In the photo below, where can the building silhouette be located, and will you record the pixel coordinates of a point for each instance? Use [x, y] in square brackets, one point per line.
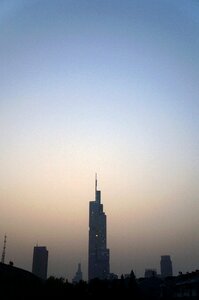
[16, 283]
[150, 273]
[166, 266]
[98, 254]
[78, 275]
[40, 262]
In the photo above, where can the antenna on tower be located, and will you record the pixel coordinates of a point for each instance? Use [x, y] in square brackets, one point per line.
[95, 182]
[4, 250]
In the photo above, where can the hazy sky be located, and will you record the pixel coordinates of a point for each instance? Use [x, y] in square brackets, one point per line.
[100, 86]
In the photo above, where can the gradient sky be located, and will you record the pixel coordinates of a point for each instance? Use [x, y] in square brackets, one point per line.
[100, 86]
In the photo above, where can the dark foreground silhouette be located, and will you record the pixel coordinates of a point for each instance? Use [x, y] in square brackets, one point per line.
[16, 283]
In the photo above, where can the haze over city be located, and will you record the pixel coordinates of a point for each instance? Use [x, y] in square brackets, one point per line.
[108, 87]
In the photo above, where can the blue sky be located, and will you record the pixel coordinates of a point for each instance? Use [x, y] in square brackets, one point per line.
[108, 87]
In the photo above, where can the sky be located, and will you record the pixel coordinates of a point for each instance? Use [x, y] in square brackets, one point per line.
[100, 86]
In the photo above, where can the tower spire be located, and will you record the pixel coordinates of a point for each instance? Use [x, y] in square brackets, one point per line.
[95, 183]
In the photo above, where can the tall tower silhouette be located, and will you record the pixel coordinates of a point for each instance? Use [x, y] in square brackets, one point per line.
[78, 276]
[40, 262]
[166, 266]
[98, 254]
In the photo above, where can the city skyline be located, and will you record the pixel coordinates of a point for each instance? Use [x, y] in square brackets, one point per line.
[98, 253]
[108, 87]
[97, 268]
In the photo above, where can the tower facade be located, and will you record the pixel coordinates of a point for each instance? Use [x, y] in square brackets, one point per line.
[166, 266]
[98, 254]
[40, 262]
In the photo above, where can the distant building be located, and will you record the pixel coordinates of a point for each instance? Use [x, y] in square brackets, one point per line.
[78, 276]
[112, 276]
[40, 262]
[98, 254]
[166, 266]
[150, 273]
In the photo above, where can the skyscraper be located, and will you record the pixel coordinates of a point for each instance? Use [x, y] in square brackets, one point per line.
[166, 266]
[98, 254]
[40, 262]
